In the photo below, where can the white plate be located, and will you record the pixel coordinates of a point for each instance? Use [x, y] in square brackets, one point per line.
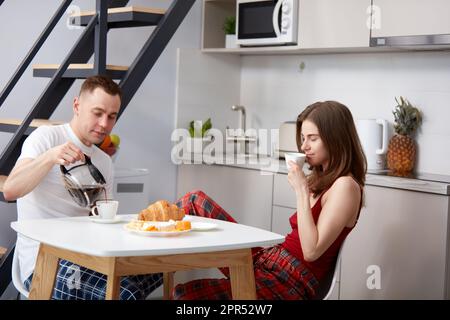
[156, 233]
[203, 226]
[97, 219]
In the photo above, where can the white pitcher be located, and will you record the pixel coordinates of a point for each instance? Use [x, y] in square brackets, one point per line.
[373, 134]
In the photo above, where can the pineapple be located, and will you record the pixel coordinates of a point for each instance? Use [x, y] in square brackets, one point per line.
[401, 154]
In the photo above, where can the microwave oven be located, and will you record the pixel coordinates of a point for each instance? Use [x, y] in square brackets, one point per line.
[266, 22]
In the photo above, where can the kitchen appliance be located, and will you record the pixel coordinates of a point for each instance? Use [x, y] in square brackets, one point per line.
[433, 31]
[373, 134]
[266, 22]
[84, 182]
[287, 139]
[131, 189]
[428, 41]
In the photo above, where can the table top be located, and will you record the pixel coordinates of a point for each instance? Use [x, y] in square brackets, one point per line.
[80, 234]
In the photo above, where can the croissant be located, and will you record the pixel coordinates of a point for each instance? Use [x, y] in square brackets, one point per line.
[161, 210]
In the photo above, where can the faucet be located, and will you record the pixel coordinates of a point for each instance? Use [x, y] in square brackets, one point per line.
[242, 110]
[246, 140]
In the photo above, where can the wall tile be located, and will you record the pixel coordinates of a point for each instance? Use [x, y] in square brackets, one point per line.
[274, 90]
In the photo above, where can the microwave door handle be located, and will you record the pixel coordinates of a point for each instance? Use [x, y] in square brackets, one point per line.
[276, 12]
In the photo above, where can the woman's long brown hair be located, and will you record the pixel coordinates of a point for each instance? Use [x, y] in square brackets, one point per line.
[338, 132]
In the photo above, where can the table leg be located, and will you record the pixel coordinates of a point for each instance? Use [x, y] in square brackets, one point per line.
[243, 280]
[44, 275]
[168, 284]
[113, 287]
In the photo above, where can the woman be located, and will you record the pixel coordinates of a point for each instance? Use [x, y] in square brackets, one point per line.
[328, 205]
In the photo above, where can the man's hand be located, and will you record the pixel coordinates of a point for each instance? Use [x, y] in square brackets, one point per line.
[66, 154]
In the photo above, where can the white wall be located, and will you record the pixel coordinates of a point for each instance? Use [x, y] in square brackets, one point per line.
[146, 125]
[207, 86]
[274, 90]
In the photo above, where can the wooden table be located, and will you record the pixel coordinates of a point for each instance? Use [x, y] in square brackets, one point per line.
[115, 252]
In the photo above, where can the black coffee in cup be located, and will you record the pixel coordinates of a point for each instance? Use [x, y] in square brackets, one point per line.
[86, 195]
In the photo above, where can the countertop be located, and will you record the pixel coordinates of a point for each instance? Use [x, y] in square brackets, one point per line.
[422, 182]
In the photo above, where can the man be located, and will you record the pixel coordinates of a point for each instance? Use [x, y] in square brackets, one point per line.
[36, 183]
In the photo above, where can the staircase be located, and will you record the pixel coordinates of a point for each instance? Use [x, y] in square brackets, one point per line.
[109, 14]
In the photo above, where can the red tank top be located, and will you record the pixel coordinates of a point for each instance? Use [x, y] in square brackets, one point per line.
[327, 260]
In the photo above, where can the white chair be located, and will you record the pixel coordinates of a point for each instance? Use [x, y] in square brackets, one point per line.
[330, 281]
[15, 274]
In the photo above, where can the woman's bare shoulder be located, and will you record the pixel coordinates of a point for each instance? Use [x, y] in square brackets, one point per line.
[347, 185]
[345, 194]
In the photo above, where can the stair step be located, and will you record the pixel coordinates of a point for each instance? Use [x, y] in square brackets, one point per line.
[2, 182]
[124, 17]
[77, 70]
[2, 252]
[10, 125]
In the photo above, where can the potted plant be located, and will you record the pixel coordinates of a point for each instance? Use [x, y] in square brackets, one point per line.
[401, 154]
[229, 27]
[198, 135]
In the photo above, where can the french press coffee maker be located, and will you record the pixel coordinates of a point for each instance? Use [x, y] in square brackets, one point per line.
[84, 182]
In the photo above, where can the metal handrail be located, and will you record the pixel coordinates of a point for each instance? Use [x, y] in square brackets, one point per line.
[33, 51]
[47, 91]
[152, 49]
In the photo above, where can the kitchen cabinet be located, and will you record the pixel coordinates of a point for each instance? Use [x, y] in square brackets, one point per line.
[398, 250]
[399, 247]
[334, 24]
[213, 36]
[280, 219]
[410, 17]
[214, 14]
[245, 194]
[283, 194]
[401, 236]
[324, 26]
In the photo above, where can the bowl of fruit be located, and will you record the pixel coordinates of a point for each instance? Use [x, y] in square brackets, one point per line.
[110, 145]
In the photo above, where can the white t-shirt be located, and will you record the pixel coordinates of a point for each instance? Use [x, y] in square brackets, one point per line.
[50, 199]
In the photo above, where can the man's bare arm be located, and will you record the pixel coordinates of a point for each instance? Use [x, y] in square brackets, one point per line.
[28, 173]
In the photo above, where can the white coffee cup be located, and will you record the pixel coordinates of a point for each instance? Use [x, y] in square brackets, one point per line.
[298, 158]
[106, 209]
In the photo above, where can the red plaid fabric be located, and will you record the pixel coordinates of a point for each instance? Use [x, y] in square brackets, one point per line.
[197, 203]
[278, 274]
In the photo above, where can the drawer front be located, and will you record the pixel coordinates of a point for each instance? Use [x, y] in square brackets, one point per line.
[283, 194]
[280, 220]
[245, 194]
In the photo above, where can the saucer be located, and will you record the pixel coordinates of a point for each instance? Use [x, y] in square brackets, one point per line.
[97, 219]
[203, 226]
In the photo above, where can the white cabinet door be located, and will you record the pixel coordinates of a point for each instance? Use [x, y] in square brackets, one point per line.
[283, 194]
[334, 23]
[245, 194]
[398, 247]
[410, 17]
[280, 219]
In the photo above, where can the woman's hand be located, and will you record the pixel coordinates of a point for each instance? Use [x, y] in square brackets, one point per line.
[297, 179]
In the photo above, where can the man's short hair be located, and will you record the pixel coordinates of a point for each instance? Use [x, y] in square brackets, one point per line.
[103, 82]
